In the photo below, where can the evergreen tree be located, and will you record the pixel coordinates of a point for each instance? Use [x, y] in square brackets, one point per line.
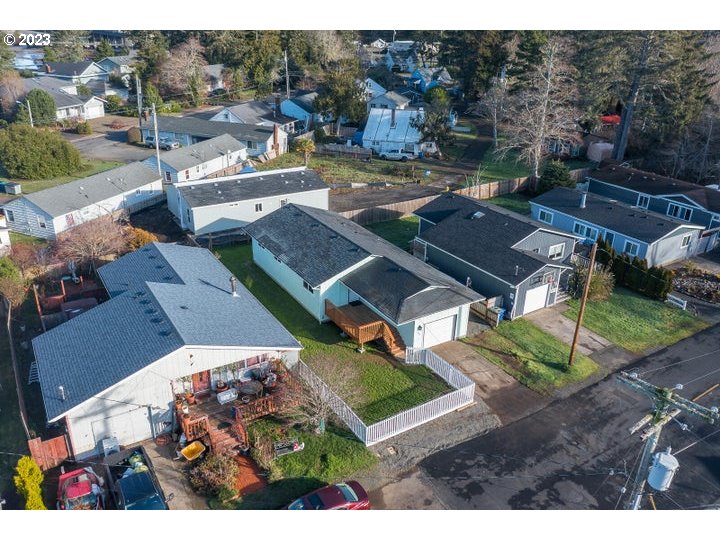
[151, 95]
[42, 106]
[152, 47]
[555, 174]
[36, 154]
[341, 96]
[7, 58]
[68, 46]
[103, 50]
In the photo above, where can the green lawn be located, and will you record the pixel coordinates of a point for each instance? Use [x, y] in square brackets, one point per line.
[635, 322]
[387, 388]
[532, 356]
[90, 167]
[19, 238]
[493, 169]
[517, 202]
[398, 231]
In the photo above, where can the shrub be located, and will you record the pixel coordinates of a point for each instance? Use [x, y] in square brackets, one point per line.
[601, 283]
[554, 174]
[134, 135]
[84, 90]
[83, 128]
[215, 474]
[138, 237]
[113, 103]
[170, 107]
[28, 482]
[36, 153]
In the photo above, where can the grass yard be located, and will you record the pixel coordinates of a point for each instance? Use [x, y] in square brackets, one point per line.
[93, 166]
[493, 169]
[635, 322]
[398, 231]
[532, 356]
[517, 202]
[20, 238]
[386, 388]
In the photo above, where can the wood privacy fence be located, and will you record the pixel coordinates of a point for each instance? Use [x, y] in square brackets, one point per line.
[386, 212]
[494, 189]
[461, 396]
[49, 454]
[341, 150]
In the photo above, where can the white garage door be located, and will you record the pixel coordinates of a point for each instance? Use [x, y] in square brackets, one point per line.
[94, 110]
[535, 298]
[129, 427]
[439, 331]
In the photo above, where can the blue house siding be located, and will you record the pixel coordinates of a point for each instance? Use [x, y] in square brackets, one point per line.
[291, 109]
[542, 241]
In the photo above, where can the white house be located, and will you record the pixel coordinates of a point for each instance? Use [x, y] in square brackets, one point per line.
[199, 160]
[5, 245]
[77, 72]
[371, 89]
[231, 202]
[388, 100]
[330, 264]
[46, 213]
[257, 113]
[392, 129]
[214, 77]
[68, 104]
[176, 321]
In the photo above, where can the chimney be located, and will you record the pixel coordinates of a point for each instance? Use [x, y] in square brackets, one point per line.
[583, 197]
[233, 285]
[276, 140]
[517, 269]
[61, 389]
[392, 121]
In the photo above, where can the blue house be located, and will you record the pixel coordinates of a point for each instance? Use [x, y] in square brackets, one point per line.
[688, 202]
[633, 230]
[424, 78]
[302, 107]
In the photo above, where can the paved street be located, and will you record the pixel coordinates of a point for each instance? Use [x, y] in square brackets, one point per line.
[110, 147]
[575, 453]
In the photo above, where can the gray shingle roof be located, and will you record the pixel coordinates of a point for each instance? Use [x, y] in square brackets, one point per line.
[186, 157]
[397, 99]
[124, 60]
[68, 69]
[214, 70]
[634, 222]
[306, 101]
[147, 318]
[485, 241]
[205, 128]
[255, 112]
[253, 186]
[66, 198]
[53, 85]
[317, 245]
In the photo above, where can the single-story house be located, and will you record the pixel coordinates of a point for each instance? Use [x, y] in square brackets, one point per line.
[496, 252]
[257, 113]
[122, 66]
[337, 269]
[68, 104]
[392, 129]
[379, 43]
[638, 232]
[302, 107]
[231, 202]
[199, 160]
[77, 72]
[214, 77]
[47, 213]
[403, 61]
[5, 245]
[425, 78]
[675, 198]
[176, 321]
[117, 38]
[388, 100]
[371, 89]
[259, 140]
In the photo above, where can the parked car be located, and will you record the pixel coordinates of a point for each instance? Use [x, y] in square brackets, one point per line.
[132, 481]
[168, 144]
[80, 490]
[149, 141]
[345, 496]
[397, 155]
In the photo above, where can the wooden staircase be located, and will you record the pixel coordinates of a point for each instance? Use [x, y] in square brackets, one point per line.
[393, 341]
[363, 326]
[226, 440]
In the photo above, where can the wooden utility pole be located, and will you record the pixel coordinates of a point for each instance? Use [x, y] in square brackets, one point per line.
[287, 77]
[139, 99]
[581, 312]
[157, 142]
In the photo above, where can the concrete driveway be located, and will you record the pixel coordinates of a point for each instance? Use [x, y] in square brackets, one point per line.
[554, 322]
[173, 478]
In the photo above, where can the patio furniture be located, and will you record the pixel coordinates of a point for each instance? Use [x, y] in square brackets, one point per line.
[250, 388]
[227, 396]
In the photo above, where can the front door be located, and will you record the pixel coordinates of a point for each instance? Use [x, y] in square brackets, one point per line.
[201, 381]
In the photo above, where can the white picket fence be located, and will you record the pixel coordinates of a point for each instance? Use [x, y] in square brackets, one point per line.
[403, 421]
[676, 301]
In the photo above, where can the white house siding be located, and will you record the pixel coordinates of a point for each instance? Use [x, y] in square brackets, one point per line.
[5, 245]
[232, 215]
[667, 250]
[198, 171]
[94, 109]
[123, 409]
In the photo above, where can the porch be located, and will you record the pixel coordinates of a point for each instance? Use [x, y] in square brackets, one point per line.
[363, 325]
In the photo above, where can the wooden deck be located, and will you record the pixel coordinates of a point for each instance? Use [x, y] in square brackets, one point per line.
[364, 325]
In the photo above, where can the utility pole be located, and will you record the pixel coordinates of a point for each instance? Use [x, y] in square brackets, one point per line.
[157, 141]
[27, 104]
[287, 77]
[581, 312]
[139, 99]
[666, 406]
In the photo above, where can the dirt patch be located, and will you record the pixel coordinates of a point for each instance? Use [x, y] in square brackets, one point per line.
[697, 283]
[249, 479]
[159, 221]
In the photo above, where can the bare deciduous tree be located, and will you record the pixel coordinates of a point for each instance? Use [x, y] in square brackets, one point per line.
[90, 241]
[492, 105]
[11, 90]
[182, 72]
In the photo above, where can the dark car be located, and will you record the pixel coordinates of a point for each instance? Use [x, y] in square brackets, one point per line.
[132, 481]
[345, 496]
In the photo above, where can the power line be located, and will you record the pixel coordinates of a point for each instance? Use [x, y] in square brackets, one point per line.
[678, 362]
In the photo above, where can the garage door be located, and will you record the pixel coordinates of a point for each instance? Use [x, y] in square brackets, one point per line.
[129, 427]
[535, 298]
[439, 331]
[93, 110]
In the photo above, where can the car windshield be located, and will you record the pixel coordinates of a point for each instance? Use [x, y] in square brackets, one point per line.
[297, 505]
[348, 493]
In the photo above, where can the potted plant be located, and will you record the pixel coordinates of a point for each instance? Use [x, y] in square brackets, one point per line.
[221, 386]
[190, 397]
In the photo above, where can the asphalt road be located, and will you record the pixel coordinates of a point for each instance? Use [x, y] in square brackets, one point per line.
[109, 147]
[577, 453]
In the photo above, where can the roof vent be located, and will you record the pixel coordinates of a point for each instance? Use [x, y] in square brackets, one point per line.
[184, 307]
[167, 278]
[192, 187]
[152, 257]
[282, 176]
[159, 266]
[302, 172]
[219, 192]
[164, 333]
[151, 311]
[145, 302]
[477, 215]
[215, 184]
[156, 320]
[140, 293]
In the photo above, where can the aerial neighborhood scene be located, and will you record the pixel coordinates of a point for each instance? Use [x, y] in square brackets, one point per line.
[359, 269]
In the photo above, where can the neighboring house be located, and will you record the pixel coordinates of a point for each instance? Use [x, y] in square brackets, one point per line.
[199, 160]
[400, 61]
[5, 245]
[495, 252]
[302, 107]
[175, 322]
[117, 38]
[68, 104]
[391, 129]
[46, 213]
[629, 229]
[214, 77]
[371, 89]
[332, 265]
[388, 100]
[231, 202]
[257, 113]
[685, 201]
[424, 78]
[122, 66]
[259, 140]
[77, 72]
[379, 43]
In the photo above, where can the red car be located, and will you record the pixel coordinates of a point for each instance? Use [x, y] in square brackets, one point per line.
[80, 490]
[346, 496]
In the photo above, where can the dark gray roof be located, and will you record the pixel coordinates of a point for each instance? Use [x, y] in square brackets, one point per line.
[251, 186]
[654, 184]
[484, 235]
[631, 221]
[186, 157]
[306, 101]
[318, 245]
[152, 313]
[393, 96]
[67, 69]
[53, 85]
[256, 112]
[66, 198]
[205, 128]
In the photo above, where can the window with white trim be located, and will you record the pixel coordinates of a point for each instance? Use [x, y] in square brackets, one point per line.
[609, 237]
[258, 207]
[556, 252]
[168, 177]
[10, 215]
[283, 202]
[631, 248]
[680, 212]
[545, 216]
[548, 277]
[643, 201]
[583, 230]
[685, 242]
[41, 222]
[307, 287]
[187, 174]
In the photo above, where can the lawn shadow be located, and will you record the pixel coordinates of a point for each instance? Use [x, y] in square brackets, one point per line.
[278, 494]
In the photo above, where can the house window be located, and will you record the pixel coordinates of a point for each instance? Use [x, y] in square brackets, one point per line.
[9, 215]
[584, 230]
[557, 252]
[631, 248]
[643, 201]
[41, 222]
[307, 287]
[188, 214]
[536, 280]
[545, 216]
[680, 212]
[283, 202]
[187, 174]
[685, 241]
[548, 277]
[168, 177]
[609, 237]
[197, 168]
[258, 207]
[252, 145]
